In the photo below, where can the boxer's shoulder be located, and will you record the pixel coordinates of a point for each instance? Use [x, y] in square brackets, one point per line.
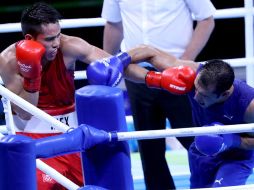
[73, 46]
[8, 63]
[9, 54]
[70, 43]
[73, 49]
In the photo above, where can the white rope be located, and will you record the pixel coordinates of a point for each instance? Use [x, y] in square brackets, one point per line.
[56, 175]
[240, 62]
[232, 13]
[8, 116]
[94, 22]
[3, 129]
[32, 109]
[80, 75]
[185, 132]
[64, 23]
[81, 22]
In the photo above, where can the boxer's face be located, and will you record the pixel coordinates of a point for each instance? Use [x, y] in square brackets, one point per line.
[50, 39]
[204, 95]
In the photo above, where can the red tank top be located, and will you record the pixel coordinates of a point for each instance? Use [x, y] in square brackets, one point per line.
[57, 86]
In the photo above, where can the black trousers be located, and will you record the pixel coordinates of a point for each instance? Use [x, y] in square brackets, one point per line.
[150, 108]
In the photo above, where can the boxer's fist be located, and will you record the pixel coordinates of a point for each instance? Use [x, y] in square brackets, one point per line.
[213, 144]
[108, 71]
[29, 54]
[177, 80]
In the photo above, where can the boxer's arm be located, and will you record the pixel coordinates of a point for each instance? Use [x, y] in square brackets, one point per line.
[248, 142]
[103, 68]
[158, 58]
[135, 73]
[108, 71]
[99, 70]
[213, 144]
[249, 113]
[77, 49]
[14, 81]
[113, 35]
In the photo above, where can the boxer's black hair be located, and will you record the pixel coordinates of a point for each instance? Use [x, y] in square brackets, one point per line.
[39, 13]
[217, 73]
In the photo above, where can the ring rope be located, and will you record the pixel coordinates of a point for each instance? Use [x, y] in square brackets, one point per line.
[8, 116]
[184, 132]
[32, 109]
[56, 175]
[92, 22]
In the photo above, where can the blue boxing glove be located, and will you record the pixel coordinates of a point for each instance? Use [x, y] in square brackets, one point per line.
[211, 145]
[76, 140]
[108, 71]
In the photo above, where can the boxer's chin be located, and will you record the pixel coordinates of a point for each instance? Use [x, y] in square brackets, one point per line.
[51, 57]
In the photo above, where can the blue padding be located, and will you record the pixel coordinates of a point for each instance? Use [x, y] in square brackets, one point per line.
[127, 105]
[17, 163]
[106, 165]
[76, 140]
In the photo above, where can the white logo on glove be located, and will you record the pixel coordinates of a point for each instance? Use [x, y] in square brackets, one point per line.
[105, 62]
[117, 81]
[24, 67]
[177, 87]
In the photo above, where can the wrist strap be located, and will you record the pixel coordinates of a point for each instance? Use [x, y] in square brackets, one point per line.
[153, 79]
[32, 85]
[125, 58]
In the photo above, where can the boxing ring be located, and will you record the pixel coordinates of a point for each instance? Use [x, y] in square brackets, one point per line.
[116, 128]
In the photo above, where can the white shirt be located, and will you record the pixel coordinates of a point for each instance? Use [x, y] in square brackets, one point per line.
[165, 24]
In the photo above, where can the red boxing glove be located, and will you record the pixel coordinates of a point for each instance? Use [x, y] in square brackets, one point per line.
[177, 80]
[29, 54]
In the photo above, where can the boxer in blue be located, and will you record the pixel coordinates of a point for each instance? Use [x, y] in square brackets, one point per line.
[220, 160]
[216, 96]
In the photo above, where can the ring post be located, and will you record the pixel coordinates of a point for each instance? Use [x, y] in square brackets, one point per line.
[105, 165]
[17, 163]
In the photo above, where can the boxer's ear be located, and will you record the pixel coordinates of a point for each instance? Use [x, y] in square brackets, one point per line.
[225, 94]
[28, 37]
